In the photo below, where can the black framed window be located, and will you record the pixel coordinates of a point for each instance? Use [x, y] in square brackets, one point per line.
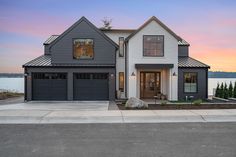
[121, 46]
[153, 45]
[190, 82]
[83, 49]
[121, 81]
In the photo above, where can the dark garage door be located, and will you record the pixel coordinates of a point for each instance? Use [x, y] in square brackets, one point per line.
[49, 86]
[91, 86]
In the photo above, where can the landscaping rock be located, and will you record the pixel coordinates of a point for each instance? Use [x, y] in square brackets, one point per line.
[135, 103]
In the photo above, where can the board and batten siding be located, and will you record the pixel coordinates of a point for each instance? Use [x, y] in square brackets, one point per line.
[202, 83]
[62, 50]
[135, 56]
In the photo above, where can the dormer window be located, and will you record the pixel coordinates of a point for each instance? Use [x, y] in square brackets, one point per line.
[83, 49]
[153, 45]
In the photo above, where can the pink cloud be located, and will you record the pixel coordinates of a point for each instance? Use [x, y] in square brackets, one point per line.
[35, 24]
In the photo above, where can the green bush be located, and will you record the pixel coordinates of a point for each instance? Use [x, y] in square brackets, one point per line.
[197, 102]
[217, 92]
[230, 91]
[163, 102]
[234, 90]
[221, 92]
[226, 92]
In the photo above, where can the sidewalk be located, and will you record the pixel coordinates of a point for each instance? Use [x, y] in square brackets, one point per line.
[19, 116]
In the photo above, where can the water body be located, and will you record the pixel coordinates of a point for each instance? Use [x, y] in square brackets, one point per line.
[12, 84]
[17, 84]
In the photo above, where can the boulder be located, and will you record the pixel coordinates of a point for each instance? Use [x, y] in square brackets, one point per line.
[135, 103]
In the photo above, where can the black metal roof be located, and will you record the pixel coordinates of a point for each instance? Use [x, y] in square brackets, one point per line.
[153, 66]
[45, 61]
[188, 62]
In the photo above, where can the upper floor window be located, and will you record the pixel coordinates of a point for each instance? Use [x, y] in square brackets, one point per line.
[190, 82]
[83, 49]
[153, 45]
[121, 46]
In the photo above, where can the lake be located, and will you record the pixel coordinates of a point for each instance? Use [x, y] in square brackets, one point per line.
[17, 84]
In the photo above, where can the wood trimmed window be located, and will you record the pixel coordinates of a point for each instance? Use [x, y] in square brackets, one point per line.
[83, 49]
[190, 82]
[121, 46]
[153, 45]
[121, 81]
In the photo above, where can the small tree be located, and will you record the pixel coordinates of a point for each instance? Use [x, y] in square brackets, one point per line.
[234, 89]
[106, 23]
[217, 92]
[230, 91]
[226, 92]
[221, 93]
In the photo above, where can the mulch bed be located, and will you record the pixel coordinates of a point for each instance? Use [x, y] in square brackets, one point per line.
[181, 106]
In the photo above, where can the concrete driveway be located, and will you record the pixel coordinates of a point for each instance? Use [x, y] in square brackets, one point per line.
[59, 105]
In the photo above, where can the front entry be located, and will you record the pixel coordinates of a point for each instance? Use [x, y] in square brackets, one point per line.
[150, 84]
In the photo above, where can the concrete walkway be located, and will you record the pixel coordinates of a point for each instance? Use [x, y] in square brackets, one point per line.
[39, 116]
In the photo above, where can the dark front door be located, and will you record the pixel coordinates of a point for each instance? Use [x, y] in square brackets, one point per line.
[149, 84]
[49, 86]
[91, 86]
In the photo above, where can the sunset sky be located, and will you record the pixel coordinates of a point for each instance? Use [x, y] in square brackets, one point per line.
[208, 25]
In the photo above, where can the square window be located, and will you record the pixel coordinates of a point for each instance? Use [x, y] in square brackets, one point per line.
[83, 49]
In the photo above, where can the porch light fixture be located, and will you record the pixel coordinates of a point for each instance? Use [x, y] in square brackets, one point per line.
[174, 74]
[133, 74]
[26, 74]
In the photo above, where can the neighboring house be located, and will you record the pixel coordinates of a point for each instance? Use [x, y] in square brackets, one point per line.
[87, 63]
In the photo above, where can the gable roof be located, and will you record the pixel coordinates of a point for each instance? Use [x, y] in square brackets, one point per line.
[90, 24]
[157, 21]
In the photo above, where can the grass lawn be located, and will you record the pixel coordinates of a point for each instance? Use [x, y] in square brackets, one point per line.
[9, 94]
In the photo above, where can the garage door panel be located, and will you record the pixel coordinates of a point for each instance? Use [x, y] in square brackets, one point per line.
[93, 87]
[49, 86]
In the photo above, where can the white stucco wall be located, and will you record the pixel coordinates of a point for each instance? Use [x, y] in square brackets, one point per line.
[120, 61]
[135, 56]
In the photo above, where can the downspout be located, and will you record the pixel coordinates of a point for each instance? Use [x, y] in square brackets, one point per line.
[126, 78]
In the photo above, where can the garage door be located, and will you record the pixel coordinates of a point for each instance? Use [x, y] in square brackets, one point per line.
[91, 86]
[49, 86]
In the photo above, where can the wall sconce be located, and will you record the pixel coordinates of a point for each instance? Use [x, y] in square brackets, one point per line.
[26, 74]
[133, 74]
[174, 74]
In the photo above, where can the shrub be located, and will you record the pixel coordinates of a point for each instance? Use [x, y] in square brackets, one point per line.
[230, 91]
[226, 93]
[217, 92]
[197, 102]
[234, 90]
[163, 103]
[221, 92]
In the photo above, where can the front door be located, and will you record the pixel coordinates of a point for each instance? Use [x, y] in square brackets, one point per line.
[149, 84]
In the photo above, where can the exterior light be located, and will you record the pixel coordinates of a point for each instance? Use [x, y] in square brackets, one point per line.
[26, 74]
[174, 74]
[133, 74]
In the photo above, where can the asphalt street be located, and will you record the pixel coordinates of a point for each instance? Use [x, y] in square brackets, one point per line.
[118, 140]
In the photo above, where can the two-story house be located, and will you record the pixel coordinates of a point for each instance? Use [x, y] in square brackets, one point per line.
[88, 63]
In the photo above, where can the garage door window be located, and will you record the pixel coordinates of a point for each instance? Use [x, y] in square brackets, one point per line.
[49, 76]
[91, 76]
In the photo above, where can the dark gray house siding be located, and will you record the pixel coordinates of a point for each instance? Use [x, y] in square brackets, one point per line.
[58, 58]
[183, 51]
[70, 71]
[62, 48]
[202, 83]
